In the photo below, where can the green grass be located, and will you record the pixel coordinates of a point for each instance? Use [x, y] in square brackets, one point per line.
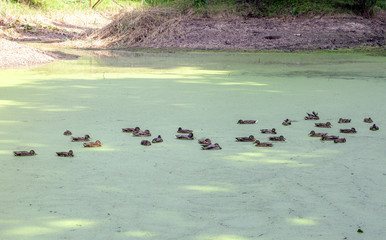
[248, 8]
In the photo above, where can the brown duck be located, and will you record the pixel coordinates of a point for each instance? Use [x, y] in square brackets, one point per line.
[206, 141]
[131, 130]
[323, 125]
[340, 140]
[67, 133]
[246, 121]
[180, 130]
[24, 153]
[81, 139]
[312, 116]
[281, 138]
[215, 146]
[145, 143]
[329, 138]
[65, 154]
[145, 133]
[314, 134]
[97, 143]
[263, 144]
[185, 137]
[374, 128]
[368, 120]
[351, 130]
[286, 122]
[268, 131]
[157, 139]
[344, 120]
[251, 138]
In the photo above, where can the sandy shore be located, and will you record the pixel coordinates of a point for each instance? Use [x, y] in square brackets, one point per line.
[13, 54]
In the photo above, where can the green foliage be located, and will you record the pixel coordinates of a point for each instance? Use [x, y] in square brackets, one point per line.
[32, 3]
[365, 8]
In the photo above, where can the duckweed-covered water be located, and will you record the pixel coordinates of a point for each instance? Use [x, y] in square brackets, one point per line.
[299, 189]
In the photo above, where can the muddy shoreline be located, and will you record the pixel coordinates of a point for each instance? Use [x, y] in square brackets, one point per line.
[256, 34]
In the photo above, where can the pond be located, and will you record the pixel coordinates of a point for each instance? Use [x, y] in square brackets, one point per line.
[303, 188]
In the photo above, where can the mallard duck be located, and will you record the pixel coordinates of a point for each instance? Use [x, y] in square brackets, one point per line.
[344, 120]
[368, 120]
[314, 134]
[312, 116]
[145, 133]
[374, 127]
[206, 141]
[65, 154]
[157, 139]
[185, 137]
[211, 147]
[67, 133]
[246, 121]
[340, 140]
[81, 139]
[286, 122]
[270, 131]
[97, 143]
[145, 143]
[281, 138]
[329, 138]
[180, 130]
[131, 130]
[263, 144]
[352, 130]
[251, 138]
[323, 125]
[24, 153]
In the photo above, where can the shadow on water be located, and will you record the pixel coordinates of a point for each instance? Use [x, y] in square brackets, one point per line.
[298, 189]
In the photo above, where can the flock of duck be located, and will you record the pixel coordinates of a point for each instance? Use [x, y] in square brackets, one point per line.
[206, 144]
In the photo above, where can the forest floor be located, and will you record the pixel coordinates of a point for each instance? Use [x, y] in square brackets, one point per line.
[254, 34]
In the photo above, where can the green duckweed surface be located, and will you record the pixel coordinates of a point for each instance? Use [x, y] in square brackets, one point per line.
[299, 189]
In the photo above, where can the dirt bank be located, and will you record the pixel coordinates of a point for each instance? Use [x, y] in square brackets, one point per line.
[184, 32]
[322, 32]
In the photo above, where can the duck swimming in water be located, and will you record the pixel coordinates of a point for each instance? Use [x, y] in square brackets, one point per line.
[211, 147]
[251, 138]
[206, 141]
[97, 143]
[180, 130]
[281, 138]
[65, 154]
[263, 144]
[145, 133]
[145, 143]
[314, 134]
[340, 140]
[24, 153]
[351, 130]
[246, 121]
[131, 130]
[329, 138]
[286, 122]
[157, 139]
[323, 125]
[368, 120]
[67, 133]
[81, 139]
[270, 131]
[185, 137]
[344, 120]
[374, 128]
[312, 116]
